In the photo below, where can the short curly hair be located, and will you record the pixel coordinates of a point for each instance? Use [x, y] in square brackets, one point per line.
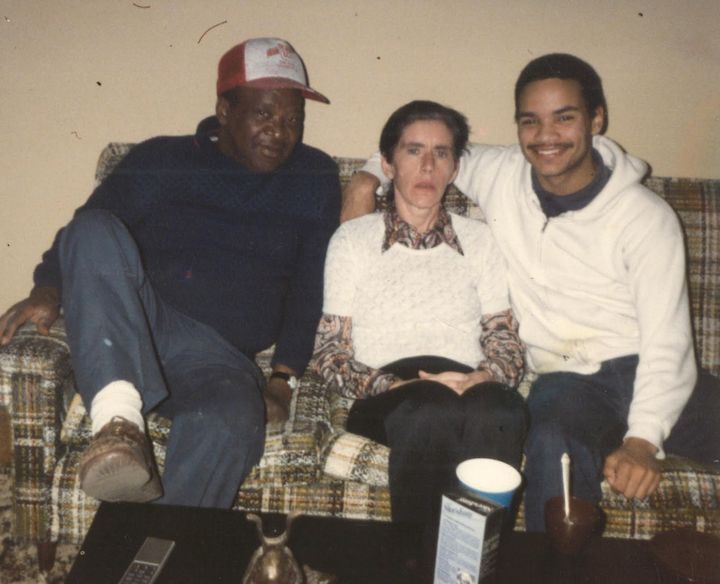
[565, 66]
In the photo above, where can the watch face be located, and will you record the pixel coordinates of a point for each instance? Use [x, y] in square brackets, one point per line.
[291, 380]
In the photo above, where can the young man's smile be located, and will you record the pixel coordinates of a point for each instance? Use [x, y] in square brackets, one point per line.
[555, 132]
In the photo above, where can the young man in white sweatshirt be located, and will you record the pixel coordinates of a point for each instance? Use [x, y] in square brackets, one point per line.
[596, 266]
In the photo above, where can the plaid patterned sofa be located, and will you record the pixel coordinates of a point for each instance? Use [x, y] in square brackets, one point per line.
[311, 463]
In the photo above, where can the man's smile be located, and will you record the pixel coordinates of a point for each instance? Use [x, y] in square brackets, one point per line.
[549, 150]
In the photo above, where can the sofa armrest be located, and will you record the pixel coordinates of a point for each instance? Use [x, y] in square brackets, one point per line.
[35, 378]
[350, 457]
[347, 456]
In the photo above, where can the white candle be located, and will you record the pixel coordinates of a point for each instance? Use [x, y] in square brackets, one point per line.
[565, 463]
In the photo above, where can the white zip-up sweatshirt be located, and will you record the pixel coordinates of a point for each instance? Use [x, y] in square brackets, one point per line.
[594, 284]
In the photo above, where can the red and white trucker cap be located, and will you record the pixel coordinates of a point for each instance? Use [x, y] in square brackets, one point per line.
[264, 63]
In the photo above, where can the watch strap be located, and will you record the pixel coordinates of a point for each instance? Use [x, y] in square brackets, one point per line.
[290, 379]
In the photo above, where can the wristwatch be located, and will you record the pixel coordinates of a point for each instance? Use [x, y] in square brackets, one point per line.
[292, 381]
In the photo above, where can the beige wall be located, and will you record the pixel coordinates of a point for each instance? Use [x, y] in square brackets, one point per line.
[77, 74]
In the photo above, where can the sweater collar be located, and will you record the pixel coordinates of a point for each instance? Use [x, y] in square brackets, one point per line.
[401, 232]
[554, 205]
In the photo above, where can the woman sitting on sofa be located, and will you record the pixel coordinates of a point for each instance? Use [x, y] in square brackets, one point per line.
[417, 325]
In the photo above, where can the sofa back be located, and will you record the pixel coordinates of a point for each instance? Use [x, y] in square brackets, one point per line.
[696, 201]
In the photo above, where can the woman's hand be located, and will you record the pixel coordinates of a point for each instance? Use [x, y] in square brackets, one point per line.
[400, 383]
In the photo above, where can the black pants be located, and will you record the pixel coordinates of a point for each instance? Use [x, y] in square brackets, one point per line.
[430, 429]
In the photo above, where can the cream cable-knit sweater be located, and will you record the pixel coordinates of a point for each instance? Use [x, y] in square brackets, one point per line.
[407, 302]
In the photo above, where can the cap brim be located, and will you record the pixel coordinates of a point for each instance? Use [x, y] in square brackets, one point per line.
[280, 83]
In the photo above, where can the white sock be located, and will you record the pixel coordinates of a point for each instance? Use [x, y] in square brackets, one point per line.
[117, 398]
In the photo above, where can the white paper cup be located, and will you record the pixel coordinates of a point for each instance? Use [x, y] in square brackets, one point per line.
[489, 478]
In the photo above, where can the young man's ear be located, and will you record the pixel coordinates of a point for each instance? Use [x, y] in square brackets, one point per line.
[387, 168]
[597, 125]
[222, 108]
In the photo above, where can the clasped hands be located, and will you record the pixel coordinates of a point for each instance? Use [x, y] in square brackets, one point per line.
[458, 382]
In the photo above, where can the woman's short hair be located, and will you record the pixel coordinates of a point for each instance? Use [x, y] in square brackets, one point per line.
[421, 110]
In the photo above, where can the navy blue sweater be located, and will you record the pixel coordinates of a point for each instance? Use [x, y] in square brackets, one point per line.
[240, 251]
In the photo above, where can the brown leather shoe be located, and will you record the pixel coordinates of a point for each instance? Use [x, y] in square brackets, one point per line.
[118, 465]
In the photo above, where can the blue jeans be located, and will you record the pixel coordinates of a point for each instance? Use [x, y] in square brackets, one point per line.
[119, 329]
[586, 416]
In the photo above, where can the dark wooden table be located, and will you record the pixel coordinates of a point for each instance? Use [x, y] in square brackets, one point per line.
[216, 546]
[528, 557]
[213, 545]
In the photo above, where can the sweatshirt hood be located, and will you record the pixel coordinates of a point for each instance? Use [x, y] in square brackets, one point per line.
[627, 171]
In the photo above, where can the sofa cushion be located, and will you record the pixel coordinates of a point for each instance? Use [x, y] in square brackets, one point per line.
[325, 497]
[291, 449]
[687, 496]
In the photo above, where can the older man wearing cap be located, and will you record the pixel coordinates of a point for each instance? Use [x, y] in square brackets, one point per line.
[195, 254]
